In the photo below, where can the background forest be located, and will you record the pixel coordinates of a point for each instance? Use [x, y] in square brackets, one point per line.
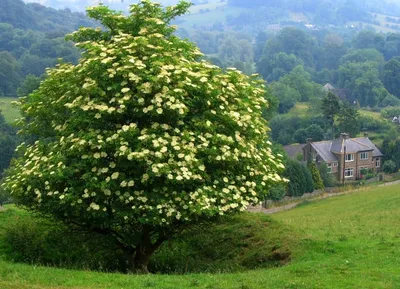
[303, 50]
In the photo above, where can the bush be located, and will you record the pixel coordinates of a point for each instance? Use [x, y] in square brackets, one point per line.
[389, 167]
[327, 178]
[5, 197]
[391, 112]
[237, 243]
[277, 193]
[390, 100]
[40, 241]
[368, 123]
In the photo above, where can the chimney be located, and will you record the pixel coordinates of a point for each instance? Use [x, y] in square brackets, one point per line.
[344, 136]
[366, 134]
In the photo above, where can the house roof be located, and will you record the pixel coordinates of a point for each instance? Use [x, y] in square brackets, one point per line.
[344, 94]
[366, 141]
[328, 86]
[327, 149]
[294, 150]
[352, 146]
[323, 148]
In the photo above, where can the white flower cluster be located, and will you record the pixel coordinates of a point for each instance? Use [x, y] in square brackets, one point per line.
[141, 130]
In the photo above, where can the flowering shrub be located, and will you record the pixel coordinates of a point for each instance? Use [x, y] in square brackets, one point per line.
[140, 138]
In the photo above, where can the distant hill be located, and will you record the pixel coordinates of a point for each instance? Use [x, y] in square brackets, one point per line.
[38, 17]
[123, 5]
[80, 5]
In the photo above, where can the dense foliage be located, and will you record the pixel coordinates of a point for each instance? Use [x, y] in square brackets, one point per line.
[140, 140]
[8, 142]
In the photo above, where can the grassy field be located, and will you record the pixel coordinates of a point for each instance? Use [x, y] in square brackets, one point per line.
[10, 113]
[350, 241]
[300, 109]
[218, 14]
[373, 114]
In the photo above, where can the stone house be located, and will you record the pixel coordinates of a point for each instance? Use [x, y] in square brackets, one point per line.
[345, 157]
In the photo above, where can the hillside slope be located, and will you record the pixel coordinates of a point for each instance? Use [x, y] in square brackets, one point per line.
[350, 241]
[37, 17]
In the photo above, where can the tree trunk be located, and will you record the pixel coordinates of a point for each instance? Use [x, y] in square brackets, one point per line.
[141, 260]
[144, 250]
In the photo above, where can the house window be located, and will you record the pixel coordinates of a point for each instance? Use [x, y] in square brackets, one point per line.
[329, 168]
[348, 173]
[349, 158]
[364, 156]
[378, 163]
[335, 165]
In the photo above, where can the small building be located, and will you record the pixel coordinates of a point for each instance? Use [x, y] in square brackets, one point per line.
[345, 157]
[343, 93]
[294, 151]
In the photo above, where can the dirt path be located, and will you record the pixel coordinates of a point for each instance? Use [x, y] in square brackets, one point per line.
[320, 197]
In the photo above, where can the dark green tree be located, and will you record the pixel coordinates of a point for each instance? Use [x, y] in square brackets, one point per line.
[316, 177]
[300, 179]
[389, 167]
[348, 119]
[9, 74]
[274, 67]
[391, 73]
[292, 41]
[330, 108]
[315, 132]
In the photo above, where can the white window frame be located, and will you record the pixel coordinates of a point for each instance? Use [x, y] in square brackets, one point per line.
[335, 165]
[329, 168]
[347, 160]
[378, 163]
[350, 170]
[365, 154]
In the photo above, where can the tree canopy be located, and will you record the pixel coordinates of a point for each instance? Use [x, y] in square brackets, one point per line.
[140, 139]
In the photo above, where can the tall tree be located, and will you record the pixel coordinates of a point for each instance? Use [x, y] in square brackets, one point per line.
[348, 119]
[292, 41]
[274, 67]
[9, 73]
[140, 140]
[391, 73]
[330, 108]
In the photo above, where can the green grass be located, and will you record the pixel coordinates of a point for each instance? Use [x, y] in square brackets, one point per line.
[350, 241]
[300, 109]
[9, 112]
[373, 114]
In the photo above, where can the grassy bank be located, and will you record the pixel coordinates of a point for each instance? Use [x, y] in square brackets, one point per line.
[350, 241]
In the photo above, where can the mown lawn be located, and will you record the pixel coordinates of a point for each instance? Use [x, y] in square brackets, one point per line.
[9, 112]
[351, 241]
